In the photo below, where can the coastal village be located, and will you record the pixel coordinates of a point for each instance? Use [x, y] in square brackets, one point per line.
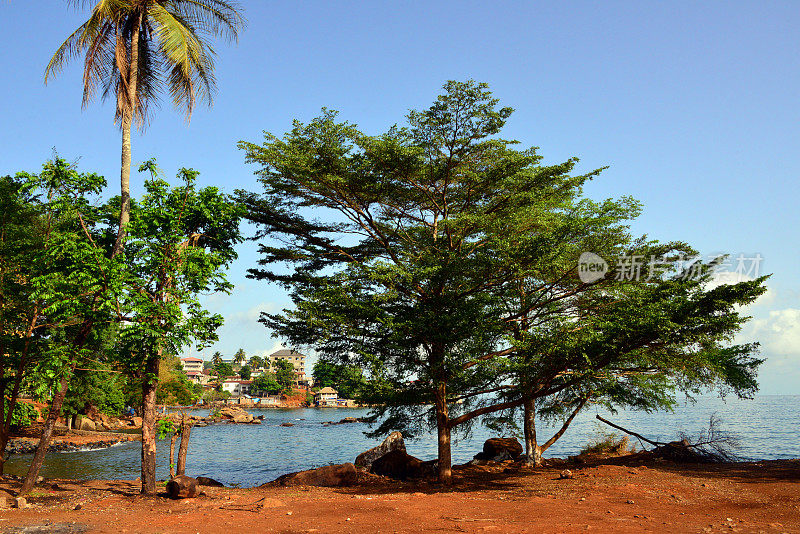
[245, 392]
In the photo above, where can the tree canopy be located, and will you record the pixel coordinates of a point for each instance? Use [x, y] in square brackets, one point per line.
[444, 261]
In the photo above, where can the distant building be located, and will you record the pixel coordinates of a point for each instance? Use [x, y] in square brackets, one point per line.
[237, 388]
[326, 397]
[193, 367]
[297, 360]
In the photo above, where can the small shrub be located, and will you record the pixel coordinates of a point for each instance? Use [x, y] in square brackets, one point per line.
[608, 444]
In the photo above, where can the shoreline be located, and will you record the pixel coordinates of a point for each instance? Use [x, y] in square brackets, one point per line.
[620, 494]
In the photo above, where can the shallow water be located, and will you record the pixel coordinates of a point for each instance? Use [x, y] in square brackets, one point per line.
[248, 455]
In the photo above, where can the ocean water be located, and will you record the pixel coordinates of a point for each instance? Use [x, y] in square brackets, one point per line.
[767, 427]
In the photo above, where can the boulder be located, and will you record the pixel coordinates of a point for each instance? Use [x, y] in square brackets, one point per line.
[84, 423]
[400, 465]
[242, 417]
[499, 449]
[182, 487]
[235, 414]
[206, 481]
[137, 421]
[329, 475]
[393, 442]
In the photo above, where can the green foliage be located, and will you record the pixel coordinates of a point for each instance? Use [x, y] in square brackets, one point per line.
[285, 375]
[239, 357]
[171, 38]
[245, 373]
[24, 414]
[55, 276]
[223, 371]
[347, 380]
[266, 382]
[213, 395]
[97, 387]
[443, 260]
[165, 427]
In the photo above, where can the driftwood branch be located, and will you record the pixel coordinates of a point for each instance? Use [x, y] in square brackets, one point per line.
[634, 434]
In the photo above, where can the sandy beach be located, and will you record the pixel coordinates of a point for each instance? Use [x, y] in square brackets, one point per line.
[625, 494]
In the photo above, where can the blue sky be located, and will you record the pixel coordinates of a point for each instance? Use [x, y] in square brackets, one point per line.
[694, 106]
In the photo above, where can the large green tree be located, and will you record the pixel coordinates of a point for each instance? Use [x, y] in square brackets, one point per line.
[399, 275]
[181, 240]
[133, 48]
[432, 254]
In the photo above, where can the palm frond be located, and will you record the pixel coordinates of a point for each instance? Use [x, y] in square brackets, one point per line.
[190, 62]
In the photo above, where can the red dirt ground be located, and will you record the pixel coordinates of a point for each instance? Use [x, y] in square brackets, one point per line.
[616, 496]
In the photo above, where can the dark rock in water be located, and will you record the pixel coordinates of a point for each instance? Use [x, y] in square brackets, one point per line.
[393, 441]
[345, 421]
[287, 424]
[182, 487]
[205, 481]
[499, 449]
[329, 475]
[400, 465]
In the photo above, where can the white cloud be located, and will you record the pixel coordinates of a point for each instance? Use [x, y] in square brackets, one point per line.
[249, 317]
[778, 333]
[276, 346]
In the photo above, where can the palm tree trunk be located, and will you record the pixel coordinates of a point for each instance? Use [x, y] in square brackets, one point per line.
[128, 115]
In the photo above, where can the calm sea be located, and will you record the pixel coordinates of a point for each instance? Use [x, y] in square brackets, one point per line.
[768, 427]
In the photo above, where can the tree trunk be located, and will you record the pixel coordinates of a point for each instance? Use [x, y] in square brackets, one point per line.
[172, 439]
[443, 432]
[186, 430]
[149, 388]
[533, 452]
[47, 432]
[125, 159]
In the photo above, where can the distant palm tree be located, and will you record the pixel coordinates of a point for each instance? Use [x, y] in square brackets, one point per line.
[133, 48]
[239, 357]
[216, 359]
[256, 362]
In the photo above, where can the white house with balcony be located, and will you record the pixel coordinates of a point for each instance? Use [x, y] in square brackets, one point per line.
[237, 388]
[326, 397]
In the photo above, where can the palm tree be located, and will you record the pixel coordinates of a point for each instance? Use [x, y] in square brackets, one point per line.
[239, 357]
[256, 362]
[133, 48]
[216, 359]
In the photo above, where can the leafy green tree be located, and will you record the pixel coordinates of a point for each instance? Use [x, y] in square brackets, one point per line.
[437, 254]
[223, 371]
[133, 49]
[401, 281]
[97, 386]
[285, 374]
[347, 380]
[180, 241]
[256, 362]
[266, 382]
[245, 373]
[69, 282]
